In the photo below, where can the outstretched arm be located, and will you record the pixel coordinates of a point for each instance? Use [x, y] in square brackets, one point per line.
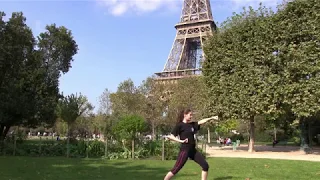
[203, 121]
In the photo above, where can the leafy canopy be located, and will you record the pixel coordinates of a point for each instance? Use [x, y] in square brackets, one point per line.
[129, 125]
[240, 66]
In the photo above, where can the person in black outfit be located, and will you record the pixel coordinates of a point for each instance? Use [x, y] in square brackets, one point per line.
[186, 130]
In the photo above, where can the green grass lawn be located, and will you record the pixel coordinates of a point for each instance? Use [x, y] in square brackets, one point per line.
[28, 168]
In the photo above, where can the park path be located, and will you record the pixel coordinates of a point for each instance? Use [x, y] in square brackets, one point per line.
[268, 152]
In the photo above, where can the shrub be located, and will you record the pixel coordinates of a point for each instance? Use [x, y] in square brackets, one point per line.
[93, 149]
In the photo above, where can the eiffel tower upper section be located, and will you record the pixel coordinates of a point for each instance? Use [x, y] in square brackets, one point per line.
[186, 55]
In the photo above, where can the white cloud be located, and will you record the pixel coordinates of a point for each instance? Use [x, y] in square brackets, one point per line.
[120, 7]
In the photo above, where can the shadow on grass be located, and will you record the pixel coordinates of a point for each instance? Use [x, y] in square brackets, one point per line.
[224, 178]
[92, 169]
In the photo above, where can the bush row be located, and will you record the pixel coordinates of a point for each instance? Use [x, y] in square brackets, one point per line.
[92, 149]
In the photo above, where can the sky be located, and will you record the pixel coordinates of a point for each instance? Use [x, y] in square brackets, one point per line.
[117, 39]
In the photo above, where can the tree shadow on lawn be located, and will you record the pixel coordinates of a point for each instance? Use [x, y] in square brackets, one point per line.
[224, 178]
[86, 169]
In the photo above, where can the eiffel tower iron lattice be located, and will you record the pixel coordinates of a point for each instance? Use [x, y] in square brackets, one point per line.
[186, 55]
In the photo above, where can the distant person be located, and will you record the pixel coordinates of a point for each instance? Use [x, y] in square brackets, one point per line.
[228, 141]
[274, 142]
[186, 130]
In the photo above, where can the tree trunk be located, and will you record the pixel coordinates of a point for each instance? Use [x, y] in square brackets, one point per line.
[275, 133]
[310, 135]
[68, 140]
[1, 131]
[208, 135]
[87, 149]
[163, 149]
[132, 151]
[4, 129]
[205, 147]
[251, 142]
[304, 136]
[106, 148]
[14, 143]
[153, 131]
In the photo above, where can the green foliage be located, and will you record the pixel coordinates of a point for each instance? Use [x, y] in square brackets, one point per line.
[92, 149]
[152, 105]
[265, 63]
[105, 103]
[127, 99]
[298, 37]
[57, 48]
[70, 108]
[73, 106]
[226, 126]
[191, 93]
[30, 70]
[51, 148]
[238, 66]
[128, 126]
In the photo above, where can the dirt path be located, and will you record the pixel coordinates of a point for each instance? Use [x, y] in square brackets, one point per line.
[278, 152]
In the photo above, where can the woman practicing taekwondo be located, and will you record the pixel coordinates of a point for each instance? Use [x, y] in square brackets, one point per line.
[186, 130]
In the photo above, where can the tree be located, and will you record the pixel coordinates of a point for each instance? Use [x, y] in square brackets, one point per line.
[128, 128]
[70, 108]
[84, 126]
[127, 100]
[16, 60]
[239, 68]
[56, 48]
[103, 120]
[298, 48]
[191, 92]
[30, 71]
[105, 103]
[152, 105]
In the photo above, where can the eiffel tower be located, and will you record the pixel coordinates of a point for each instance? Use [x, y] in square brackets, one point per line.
[186, 55]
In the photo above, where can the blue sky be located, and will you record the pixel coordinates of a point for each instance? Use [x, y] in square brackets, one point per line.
[118, 39]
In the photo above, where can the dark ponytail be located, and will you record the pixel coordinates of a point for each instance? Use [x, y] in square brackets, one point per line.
[181, 114]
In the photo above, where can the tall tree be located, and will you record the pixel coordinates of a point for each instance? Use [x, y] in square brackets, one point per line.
[127, 99]
[56, 48]
[30, 71]
[128, 127]
[103, 119]
[70, 108]
[191, 92]
[152, 105]
[298, 48]
[105, 103]
[239, 67]
[17, 69]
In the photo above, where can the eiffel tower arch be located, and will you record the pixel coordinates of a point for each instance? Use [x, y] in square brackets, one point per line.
[186, 55]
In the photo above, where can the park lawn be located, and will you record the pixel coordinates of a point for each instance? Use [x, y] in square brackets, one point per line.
[40, 168]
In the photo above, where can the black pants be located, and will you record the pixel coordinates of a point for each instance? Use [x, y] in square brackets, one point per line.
[193, 154]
